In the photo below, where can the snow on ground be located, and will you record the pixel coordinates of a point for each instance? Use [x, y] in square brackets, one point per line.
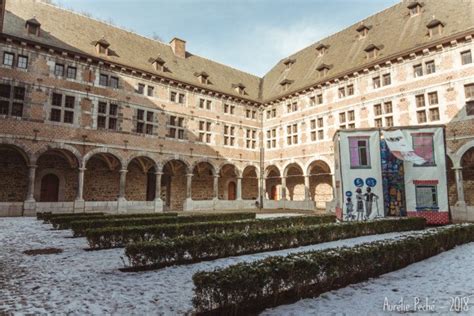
[442, 279]
[88, 282]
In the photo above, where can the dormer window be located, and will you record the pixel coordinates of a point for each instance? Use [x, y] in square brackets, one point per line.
[288, 62]
[285, 84]
[158, 64]
[33, 27]
[372, 51]
[102, 46]
[203, 77]
[321, 49]
[239, 88]
[323, 69]
[363, 31]
[414, 8]
[435, 27]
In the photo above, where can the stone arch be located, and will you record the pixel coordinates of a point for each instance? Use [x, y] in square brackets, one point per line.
[102, 175]
[174, 183]
[207, 161]
[328, 162]
[467, 165]
[250, 178]
[144, 156]
[460, 153]
[40, 173]
[295, 186]
[320, 182]
[228, 174]
[14, 161]
[272, 182]
[140, 184]
[63, 148]
[104, 150]
[237, 169]
[184, 161]
[202, 185]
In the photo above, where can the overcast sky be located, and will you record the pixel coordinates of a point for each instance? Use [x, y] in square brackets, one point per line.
[250, 35]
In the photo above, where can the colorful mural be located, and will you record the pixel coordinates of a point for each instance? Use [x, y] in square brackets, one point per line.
[393, 182]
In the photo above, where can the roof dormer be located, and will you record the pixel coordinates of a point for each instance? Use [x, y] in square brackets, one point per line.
[102, 46]
[202, 76]
[323, 69]
[322, 49]
[363, 30]
[33, 26]
[372, 51]
[435, 27]
[414, 7]
[288, 62]
[158, 64]
[285, 84]
[239, 88]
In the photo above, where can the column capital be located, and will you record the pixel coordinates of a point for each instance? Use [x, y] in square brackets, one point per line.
[82, 169]
[32, 166]
[189, 175]
[159, 173]
[216, 176]
[123, 170]
[456, 168]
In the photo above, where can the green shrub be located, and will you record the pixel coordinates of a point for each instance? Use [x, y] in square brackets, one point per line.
[189, 249]
[251, 287]
[52, 218]
[46, 216]
[64, 222]
[109, 237]
[79, 228]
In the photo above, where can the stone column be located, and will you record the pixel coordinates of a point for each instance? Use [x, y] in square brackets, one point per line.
[239, 188]
[283, 188]
[215, 187]
[80, 185]
[306, 188]
[123, 180]
[459, 186]
[30, 196]
[189, 180]
[158, 185]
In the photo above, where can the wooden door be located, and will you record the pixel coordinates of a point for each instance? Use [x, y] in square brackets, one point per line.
[49, 188]
[231, 191]
[273, 193]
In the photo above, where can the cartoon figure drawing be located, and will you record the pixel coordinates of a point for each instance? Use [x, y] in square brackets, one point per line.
[370, 198]
[359, 204]
[349, 209]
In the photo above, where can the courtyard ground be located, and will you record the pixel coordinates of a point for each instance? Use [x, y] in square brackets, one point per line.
[88, 282]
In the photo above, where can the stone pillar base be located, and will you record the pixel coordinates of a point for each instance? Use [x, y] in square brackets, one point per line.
[79, 206]
[188, 205]
[121, 205]
[158, 205]
[29, 208]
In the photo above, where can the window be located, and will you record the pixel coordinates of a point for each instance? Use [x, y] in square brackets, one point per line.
[422, 111]
[430, 67]
[376, 82]
[359, 152]
[71, 72]
[347, 119]
[414, 10]
[292, 107]
[378, 122]
[417, 71]
[342, 92]
[378, 109]
[250, 138]
[62, 108]
[387, 80]
[177, 97]
[292, 134]
[229, 135]
[150, 90]
[389, 121]
[319, 98]
[388, 108]
[271, 113]
[470, 108]
[421, 116]
[466, 57]
[114, 82]
[251, 114]
[420, 100]
[205, 132]
[205, 104]
[424, 147]
[107, 115]
[426, 197]
[141, 88]
[145, 122]
[383, 114]
[176, 127]
[312, 101]
[59, 70]
[469, 91]
[434, 114]
[104, 80]
[11, 103]
[317, 131]
[8, 59]
[433, 98]
[350, 89]
[22, 62]
[271, 138]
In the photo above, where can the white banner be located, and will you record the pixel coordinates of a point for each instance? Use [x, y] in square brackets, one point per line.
[400, 148]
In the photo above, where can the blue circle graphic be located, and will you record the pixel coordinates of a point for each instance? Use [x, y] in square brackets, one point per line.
[358, 182]
[348, 193]
[371, 182]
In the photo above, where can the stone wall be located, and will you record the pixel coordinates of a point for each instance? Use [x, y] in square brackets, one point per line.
[57, 165]
[13, 177]
[100, 183]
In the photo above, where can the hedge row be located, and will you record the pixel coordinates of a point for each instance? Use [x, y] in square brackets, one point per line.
[182, 250]
[64, 222]
[79, 227]
[252, 287]
[110, 237]
[46, 216]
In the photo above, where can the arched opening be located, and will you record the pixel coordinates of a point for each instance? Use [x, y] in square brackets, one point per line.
[63, 165]
[250, 183]
[102, 178]
[228, 173]
[49, 188]
[141, 179]
[173, 185]
[13, 174]
[320, 183]
[467, 164]
[203, 181]
[294, 182]
[451, 179]
[272, 183]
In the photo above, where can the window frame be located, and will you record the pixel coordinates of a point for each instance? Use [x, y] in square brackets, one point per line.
[434, 197]
[359, 165]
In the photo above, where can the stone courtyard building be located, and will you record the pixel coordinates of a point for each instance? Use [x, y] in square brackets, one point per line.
[94, 118]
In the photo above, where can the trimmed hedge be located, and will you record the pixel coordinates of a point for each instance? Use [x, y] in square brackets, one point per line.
[46, 216]
[110, 237]
[64, 222]
[79, 227]
[252, 287]
[182, 250]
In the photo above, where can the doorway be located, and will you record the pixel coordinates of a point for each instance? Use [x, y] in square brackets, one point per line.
[231, 191]
[49, 188]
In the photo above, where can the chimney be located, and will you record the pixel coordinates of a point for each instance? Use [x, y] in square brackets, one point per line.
[178, 46]
[3, 4]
